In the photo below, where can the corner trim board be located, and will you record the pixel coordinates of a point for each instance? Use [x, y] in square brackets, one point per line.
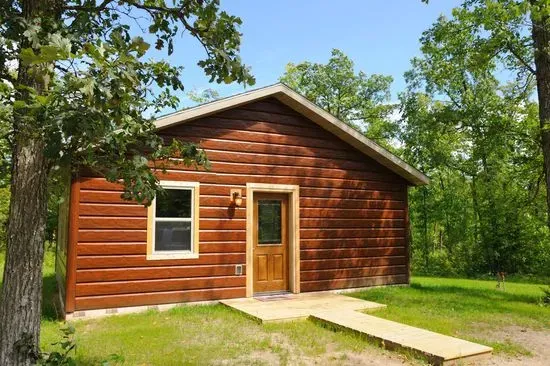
[70, 286]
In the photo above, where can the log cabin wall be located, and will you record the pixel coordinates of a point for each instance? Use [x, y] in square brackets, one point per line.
[353, 215]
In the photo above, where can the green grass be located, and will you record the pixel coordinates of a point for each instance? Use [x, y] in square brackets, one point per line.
[189, 335]
[521, 278]
[471, 309]
[200, 335]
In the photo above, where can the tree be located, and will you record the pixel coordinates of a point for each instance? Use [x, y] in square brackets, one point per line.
[360, 100]
[204, 96]
[477, 137]
[517, 35]
[77, 79]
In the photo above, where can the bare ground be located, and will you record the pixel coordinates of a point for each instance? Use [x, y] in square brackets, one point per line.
[536, 341]
[282, 352]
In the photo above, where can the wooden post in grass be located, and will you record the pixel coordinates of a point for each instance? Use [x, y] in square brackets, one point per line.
[500, 278]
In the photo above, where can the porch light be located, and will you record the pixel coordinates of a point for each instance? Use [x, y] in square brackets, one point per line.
[236, 198]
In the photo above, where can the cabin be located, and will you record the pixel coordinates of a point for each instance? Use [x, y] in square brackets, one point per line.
[295, 201]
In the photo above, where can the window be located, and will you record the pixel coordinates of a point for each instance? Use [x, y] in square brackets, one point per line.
[172, 230]
[269, 222]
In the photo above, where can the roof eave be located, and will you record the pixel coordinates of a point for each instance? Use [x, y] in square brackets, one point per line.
[353, 137]
[217, 106]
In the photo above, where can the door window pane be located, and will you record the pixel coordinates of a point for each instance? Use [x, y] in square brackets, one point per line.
[174, 203]
[269, 222]
[173, 236]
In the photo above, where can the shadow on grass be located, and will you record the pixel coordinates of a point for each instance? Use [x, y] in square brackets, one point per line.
[461, 301]
[94, 361]
[50, 299]
[487, 294]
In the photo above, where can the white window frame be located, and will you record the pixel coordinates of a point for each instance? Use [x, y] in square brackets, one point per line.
[154, 254]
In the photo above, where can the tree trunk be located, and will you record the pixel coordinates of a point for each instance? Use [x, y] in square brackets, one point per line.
[21, 296]
[475, 208]
[541, 39]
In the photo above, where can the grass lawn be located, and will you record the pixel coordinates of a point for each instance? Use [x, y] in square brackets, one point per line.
[469, 309]
[211, 334]
[201, 335]
[214, 334]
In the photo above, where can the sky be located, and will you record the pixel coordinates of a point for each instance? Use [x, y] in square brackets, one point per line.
[379, 36]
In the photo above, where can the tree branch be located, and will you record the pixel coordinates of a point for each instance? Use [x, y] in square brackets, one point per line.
[98, 8]
[520, 59]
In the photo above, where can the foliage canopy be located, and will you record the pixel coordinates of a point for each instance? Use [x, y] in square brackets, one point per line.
[95, 89]
[78, 89]
[478, 135]
[361, 100]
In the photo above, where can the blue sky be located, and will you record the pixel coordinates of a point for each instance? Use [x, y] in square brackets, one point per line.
[379, 36]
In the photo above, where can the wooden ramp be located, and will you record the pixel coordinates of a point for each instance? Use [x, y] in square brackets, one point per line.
[438, 348]
[343, 312]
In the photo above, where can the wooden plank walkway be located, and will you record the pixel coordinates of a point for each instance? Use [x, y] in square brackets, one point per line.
[297, 306]
[438, 348]
[343, 312]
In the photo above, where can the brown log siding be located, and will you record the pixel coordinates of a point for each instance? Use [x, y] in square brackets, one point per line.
[352, 215]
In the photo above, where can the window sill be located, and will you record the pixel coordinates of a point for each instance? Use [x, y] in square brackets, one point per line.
[172, 256]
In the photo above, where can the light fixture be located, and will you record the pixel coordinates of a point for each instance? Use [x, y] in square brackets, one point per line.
[236, 197]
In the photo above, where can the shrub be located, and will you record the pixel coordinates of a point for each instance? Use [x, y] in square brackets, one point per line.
[439, 264]
[61, 357]
[68, 346]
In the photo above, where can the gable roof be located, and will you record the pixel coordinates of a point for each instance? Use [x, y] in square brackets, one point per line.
[305, 107]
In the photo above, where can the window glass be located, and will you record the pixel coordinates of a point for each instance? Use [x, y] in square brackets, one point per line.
[173, 235]
[174, 203]
[174, 221]
[269, 222]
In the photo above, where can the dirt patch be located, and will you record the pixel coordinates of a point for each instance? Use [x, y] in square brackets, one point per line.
[353, 358]
[536, 341]
[283, 352]
[254, 358]
[90, 327]
[332, 356]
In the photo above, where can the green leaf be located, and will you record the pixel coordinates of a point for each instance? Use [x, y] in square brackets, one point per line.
[140, 45]
[19, 104]
[27, 56]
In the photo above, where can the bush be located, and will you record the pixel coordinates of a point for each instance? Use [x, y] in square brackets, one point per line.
[67, 346]
[62, 357]
[439, 264]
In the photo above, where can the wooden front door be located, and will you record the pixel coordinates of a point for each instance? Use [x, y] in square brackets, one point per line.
[270, 242]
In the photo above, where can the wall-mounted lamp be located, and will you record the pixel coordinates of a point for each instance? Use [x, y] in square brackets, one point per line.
[236, 197]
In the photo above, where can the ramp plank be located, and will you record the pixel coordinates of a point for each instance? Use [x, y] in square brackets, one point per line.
[438, 348]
